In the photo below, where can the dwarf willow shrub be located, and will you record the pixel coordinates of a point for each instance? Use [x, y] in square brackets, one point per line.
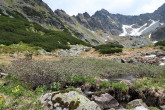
[76, 70]
[36, 73]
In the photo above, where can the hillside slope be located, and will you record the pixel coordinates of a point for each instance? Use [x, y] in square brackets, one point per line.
[158, 34]
[38, 11]
[15, 28]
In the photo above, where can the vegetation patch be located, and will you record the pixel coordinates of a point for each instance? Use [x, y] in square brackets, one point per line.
[18, 95]
[14, 30]
[109, 48]
[150, 82]
[160, 43]
[104, 84]
[31, 12]
[19, 48]
[78, 72]
[120, 86]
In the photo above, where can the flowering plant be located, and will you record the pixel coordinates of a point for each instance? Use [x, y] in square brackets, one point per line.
[17, 91]
[2, 101]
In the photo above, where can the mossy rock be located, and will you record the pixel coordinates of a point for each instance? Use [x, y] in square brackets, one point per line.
[69, 100]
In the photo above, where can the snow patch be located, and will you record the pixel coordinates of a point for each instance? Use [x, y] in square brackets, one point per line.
[162, 23]
[128, 30]
[155, 42]
[162, 64]
[151, 56]
[150, 36]
[163, 58]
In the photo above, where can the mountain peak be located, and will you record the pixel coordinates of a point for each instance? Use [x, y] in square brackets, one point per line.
[160, 9]
[86, 15]
[102, 12]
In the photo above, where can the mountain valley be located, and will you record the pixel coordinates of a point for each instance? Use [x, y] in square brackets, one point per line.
[50, 60]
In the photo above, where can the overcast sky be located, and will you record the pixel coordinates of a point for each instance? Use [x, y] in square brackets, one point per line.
[126, 7]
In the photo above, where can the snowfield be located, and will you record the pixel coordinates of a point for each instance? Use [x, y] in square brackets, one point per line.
[129, 30]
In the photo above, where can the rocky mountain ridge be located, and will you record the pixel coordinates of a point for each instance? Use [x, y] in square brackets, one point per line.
[102, 27]
[112, 23]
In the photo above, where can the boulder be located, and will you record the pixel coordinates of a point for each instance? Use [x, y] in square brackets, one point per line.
[160, 53]
[2, 74]
[74, 51]
[68, 100]
[162, 107]
[42, 52]
[133, 60]
[140, 108]
[15, 55]
[123, 61]
[116, 59]
[106, 101]
[136, 102]
[151, 56]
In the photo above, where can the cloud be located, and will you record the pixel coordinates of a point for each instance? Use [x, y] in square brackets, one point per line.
[73, 7]
[150, 7]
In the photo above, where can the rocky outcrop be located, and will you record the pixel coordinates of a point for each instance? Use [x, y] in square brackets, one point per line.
[106, 101]
[29, 8]
[75, 50]
[137, 104]
[77, 29]
[62, 14]
[68, 100]
[101, 20]
[153, 58]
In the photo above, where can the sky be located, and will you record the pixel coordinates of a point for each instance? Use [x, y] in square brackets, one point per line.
[126, 7]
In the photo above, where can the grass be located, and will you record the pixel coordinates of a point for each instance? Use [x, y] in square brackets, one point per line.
[17, 95]
[19, 48]
[149, 82]
[120, 86]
